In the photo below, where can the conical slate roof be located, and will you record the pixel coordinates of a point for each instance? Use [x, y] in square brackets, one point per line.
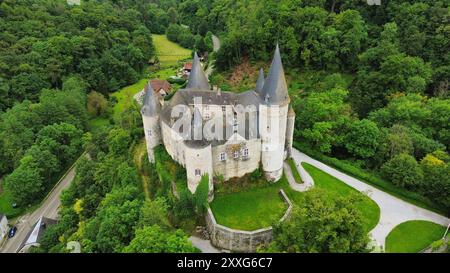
[151, 105]
[260, 81]
[197, 78]
[275, 87]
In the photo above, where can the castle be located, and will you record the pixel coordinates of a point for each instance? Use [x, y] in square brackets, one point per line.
[259, 126]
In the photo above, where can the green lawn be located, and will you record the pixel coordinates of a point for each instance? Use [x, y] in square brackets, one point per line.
[6, 206]
[368, 207]
[294, 170]
[169, 53]
[257, 207]
[249, 210]
[413, 236]
[125, 97]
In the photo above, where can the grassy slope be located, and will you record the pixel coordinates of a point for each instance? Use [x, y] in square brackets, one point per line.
[258, 207]
[368, 207]
[125, 97]
[413, 236]
[169, 53]
[6, 206]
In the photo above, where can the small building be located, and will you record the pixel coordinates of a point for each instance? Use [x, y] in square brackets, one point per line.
[161, 87]
[3, 226]
[35, 235]
[187, 69]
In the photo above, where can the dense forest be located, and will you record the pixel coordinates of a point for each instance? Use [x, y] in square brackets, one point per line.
[51, 56]
[369, 85]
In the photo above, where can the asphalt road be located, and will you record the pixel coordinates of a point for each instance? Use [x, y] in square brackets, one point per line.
[49, 208]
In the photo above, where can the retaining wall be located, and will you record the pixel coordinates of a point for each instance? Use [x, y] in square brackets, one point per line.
[241, 240]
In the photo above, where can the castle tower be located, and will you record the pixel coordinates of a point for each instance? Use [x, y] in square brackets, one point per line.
[150, 117]
[197, 77]
[273, 119]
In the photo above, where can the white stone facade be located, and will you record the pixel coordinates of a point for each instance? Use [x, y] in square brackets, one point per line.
[266, 142]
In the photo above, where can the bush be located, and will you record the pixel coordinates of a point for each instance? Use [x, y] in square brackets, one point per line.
[403, 170]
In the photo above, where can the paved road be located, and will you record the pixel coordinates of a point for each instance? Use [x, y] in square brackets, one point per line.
[393, 210]
[216, 47]
[216, 43]
[49, 209]
[307, 180]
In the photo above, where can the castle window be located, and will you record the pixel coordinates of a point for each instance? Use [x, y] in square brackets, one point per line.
[198, 172]
[207, 107]
[224, 108]
[236, 154]
[245, 152]
[223, 156]
[149, 133]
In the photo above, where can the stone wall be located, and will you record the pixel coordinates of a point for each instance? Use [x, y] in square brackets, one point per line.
[238, 167]
[240, 240]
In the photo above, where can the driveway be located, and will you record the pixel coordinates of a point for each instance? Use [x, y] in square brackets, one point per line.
[393, 210]
[216, 47]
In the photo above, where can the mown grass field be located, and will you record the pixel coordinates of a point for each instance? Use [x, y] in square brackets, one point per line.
[413, 236]
[249, 210]
[169, 53]
[258, 207]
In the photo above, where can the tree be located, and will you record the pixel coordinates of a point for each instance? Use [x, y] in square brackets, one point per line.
[201, 195]
[152, 239]
[25, 184]
[96, 104]
[321, 224]
[320, 136]
[437, 179]
[403, 170]
[154, 212]
[362, 139]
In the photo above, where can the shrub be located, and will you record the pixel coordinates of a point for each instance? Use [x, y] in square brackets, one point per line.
[403, 170]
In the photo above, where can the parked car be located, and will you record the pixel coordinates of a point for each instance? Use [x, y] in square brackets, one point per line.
[12, 232]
